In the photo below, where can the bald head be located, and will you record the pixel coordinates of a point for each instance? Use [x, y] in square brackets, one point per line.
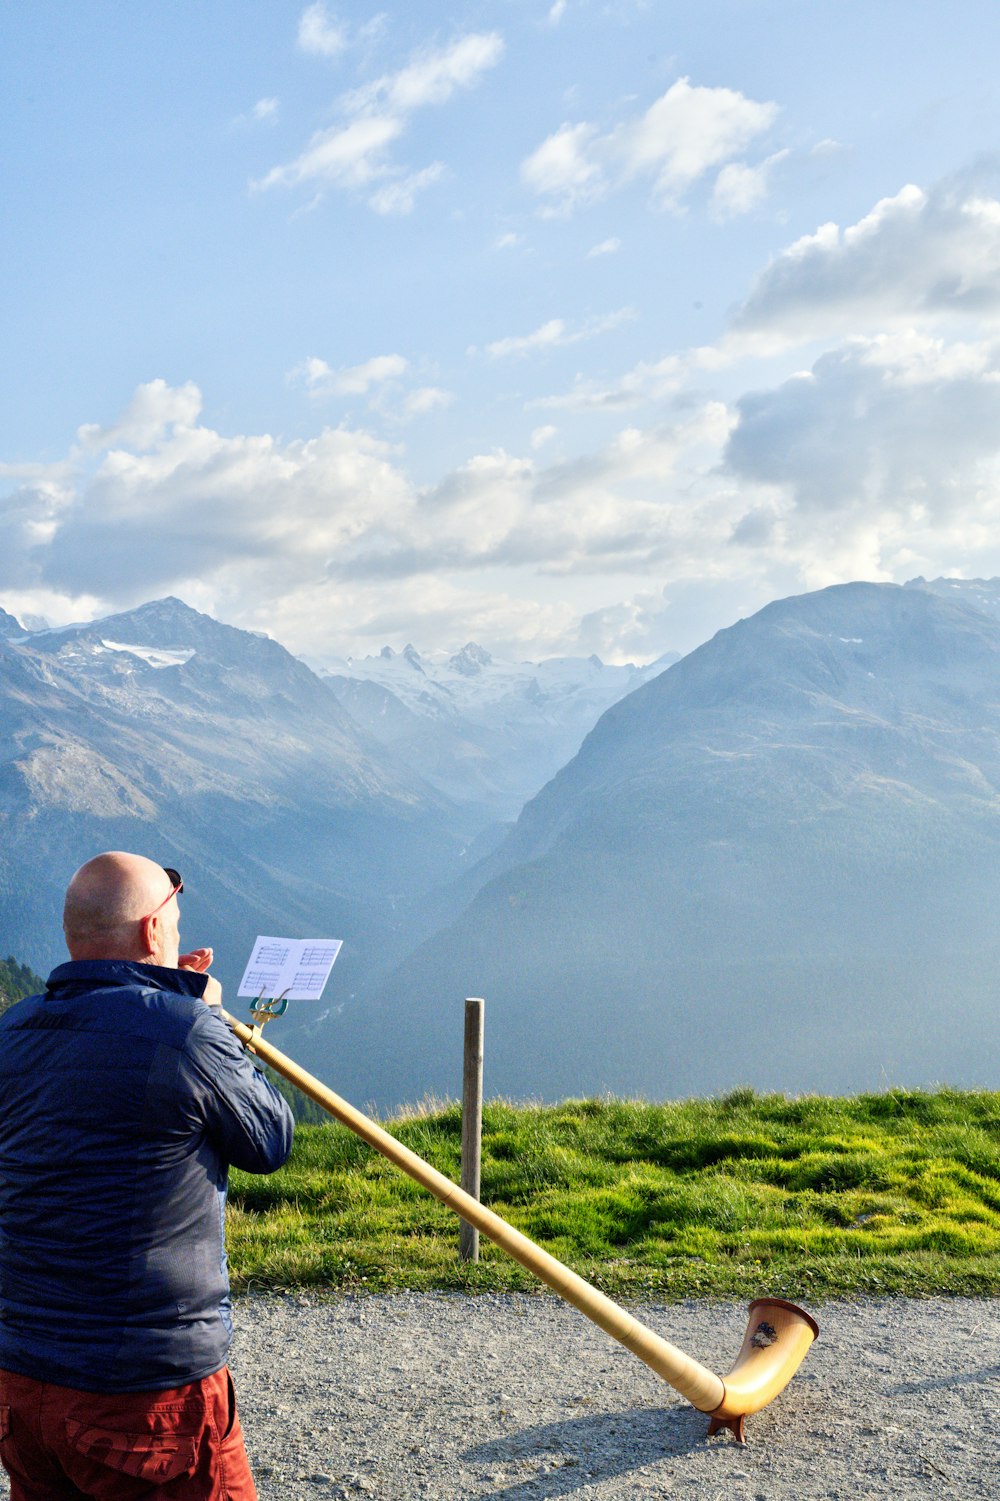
[111, 911]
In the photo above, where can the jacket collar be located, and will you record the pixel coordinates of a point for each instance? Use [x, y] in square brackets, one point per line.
[81, 973]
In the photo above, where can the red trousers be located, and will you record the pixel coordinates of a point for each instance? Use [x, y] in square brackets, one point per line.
[185, 1444]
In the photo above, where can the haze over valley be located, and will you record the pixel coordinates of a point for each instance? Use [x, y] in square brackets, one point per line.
[774, 861]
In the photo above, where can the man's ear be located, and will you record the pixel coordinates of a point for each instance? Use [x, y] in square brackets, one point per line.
[150, 935]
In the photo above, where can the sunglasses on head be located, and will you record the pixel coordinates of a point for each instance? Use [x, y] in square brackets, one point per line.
[178, 886]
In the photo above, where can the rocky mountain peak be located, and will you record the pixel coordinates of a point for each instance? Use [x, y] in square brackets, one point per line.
[10, 626]
[470, 660]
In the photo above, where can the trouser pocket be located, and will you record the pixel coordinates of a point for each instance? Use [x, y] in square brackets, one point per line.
[159, 1447]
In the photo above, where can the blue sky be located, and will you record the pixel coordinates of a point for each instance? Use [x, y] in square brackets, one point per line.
[566, 327]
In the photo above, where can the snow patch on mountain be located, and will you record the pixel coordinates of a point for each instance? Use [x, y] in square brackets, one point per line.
[153, 656]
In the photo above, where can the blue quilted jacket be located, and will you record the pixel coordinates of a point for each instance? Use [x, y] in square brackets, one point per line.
[124, 1099]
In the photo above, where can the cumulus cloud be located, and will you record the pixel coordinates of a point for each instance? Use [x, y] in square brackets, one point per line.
[603, 513]
[30, 516]
[918, 255]
[153, 409]
[686, 133]
[195, 505]
[354, 153]
[606, 247]
[243, 518]
[883, 458]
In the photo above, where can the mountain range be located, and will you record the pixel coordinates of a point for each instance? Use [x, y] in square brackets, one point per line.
[776, 863]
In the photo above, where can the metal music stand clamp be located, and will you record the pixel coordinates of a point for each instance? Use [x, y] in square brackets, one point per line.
[262, 1012]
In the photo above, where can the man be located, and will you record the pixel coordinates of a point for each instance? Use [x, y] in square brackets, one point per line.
[124, 1098]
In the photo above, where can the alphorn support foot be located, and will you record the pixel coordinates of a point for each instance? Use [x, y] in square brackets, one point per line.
[735, 1426]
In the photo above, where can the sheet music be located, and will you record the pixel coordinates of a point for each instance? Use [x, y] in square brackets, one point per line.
[298, 966]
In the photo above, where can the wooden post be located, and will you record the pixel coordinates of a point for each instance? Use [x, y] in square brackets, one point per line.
[472, 1120]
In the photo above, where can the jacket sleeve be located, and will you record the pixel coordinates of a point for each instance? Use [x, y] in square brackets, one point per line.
[246, 1118]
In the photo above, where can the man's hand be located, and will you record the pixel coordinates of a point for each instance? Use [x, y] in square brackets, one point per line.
[213, 992]
[198, 959]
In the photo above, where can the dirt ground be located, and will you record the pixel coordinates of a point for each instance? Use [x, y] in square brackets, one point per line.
[513, 1398]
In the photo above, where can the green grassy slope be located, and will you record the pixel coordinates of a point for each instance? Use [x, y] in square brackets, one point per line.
[804, 1198]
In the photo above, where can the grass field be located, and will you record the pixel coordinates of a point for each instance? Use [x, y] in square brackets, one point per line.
[805, 1198]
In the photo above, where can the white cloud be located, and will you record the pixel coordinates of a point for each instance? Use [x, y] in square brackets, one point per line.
[350, 380]
[345, 156]
[264, 112]
[740, 188]
[608, 512]
[378, 378]
[250, 521]
[556, 12]
[30, 517]
[882, 460]
[239, 514]
[645, 382]
[546, 336]
[426, 399]
[884, 457]
[562, 169]
[153, 409]
[917, 256]
[555, 333]
[399, 196]
[509, 241]
[683, 135]
[319, 34]
[432, 77]
[606, 247]
[354, 153]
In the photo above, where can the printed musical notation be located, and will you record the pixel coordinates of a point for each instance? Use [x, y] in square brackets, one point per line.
[298, 967]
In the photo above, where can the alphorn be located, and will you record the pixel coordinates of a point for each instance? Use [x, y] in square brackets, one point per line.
[778, 1336]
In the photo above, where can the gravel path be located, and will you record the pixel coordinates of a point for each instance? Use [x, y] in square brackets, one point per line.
[448, 1398]
[443, 1398]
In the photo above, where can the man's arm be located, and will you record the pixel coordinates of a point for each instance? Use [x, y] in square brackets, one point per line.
[249, 1122]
